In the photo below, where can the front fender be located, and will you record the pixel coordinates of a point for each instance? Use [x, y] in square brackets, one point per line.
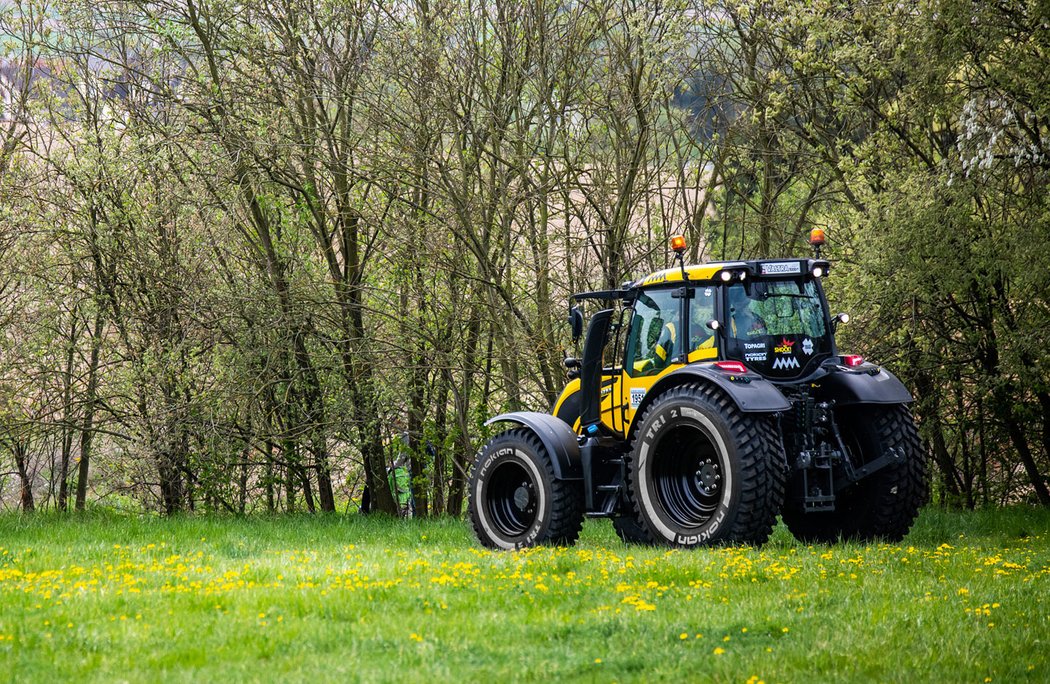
[558, 439]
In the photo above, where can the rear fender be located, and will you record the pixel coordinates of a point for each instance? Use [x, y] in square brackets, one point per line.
[750, 392]
[869, 384]
[558, 439]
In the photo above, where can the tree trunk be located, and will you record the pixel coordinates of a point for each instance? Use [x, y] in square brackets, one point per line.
[87, 432]
[25, 492]
[1004, 410]
[67, 417]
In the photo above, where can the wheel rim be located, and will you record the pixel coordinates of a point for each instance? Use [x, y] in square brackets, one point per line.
[512, 499]
[688, 476]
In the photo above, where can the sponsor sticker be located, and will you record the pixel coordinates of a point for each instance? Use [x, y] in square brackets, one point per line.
[784, 347]
[807, 347]
[782, 268]
[637, 394]
[755, 356]
[785, 363]
[755, 345]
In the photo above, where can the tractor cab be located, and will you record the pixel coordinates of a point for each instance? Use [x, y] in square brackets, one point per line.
[763, 319]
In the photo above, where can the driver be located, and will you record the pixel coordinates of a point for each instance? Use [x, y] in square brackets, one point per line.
[744, 320]
[701, 310]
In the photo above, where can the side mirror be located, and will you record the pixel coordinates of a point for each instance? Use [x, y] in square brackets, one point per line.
[576, 321]
[839, 318]
[715, 325]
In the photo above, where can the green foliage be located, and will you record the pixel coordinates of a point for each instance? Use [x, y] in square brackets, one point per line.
[243, 247]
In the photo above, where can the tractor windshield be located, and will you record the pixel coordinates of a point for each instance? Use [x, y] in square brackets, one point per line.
[777, 328]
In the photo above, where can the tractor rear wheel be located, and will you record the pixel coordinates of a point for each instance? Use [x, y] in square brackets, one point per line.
[703, 472]
[515, 500]
[884, 504]
[629, 531]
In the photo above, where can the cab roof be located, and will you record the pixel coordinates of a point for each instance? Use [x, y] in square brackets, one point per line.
[718, 272]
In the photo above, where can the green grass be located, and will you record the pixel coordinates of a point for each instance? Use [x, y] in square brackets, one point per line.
[965, 598]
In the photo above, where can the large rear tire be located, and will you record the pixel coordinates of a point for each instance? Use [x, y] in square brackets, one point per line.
[883, 505]
[515, 500]
[703, 472]
[630, 532]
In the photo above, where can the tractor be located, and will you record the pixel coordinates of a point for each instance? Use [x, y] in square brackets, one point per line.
[708, 400]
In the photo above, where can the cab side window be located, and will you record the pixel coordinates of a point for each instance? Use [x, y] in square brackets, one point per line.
[701, 311]
[654, 336]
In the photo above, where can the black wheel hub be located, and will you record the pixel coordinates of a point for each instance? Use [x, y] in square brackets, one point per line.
[512, 499]
[523, 498]
[708, 477]
[688, 476]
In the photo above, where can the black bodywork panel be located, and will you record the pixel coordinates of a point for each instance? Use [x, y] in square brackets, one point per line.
[751, 392]
[866, 384]
[557, 437]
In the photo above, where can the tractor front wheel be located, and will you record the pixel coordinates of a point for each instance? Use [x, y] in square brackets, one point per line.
[515, 500]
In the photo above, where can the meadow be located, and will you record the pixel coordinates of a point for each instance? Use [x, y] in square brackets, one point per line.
[118, 597]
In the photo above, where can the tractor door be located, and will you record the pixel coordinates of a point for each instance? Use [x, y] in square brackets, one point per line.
[612, 376]
[653, 347]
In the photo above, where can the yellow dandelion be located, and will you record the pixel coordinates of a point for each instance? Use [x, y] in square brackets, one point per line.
[683, 636]
[719, 650]
[597, 661]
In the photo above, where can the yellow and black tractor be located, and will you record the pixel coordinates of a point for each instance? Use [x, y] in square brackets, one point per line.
[707, 400]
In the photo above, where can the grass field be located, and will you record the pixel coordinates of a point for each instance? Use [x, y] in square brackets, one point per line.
[966, 598]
